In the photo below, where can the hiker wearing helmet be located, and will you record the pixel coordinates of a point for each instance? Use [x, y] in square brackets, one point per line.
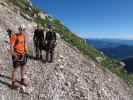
[9, 32]
[50, 43]
[19, 51]
[38, 39]
[8, 35]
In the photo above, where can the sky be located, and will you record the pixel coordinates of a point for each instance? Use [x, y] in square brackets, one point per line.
[93, 18]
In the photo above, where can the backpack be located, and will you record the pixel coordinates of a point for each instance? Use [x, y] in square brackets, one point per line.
[51, 41]
[50, 36]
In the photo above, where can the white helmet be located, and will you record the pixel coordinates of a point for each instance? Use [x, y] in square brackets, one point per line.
[22, 27]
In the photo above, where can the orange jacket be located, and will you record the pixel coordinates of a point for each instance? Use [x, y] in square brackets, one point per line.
[18, 42]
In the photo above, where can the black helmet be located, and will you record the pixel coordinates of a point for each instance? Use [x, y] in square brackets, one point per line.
[9, 30]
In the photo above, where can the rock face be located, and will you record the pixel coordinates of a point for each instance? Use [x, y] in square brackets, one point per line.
[70, 77]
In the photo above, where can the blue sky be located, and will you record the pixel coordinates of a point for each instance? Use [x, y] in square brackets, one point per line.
[93, 18]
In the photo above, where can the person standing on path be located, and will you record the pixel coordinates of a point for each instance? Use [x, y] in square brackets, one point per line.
[50, 43]
[38, 40]
[19, 58]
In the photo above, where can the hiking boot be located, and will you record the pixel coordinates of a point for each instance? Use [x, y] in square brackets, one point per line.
[14, 85]
[23, 82]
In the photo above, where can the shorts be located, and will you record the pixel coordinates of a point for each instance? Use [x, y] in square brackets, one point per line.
[21, 60]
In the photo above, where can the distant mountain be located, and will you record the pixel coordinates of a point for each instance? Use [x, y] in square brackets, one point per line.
[108, 43]
[120, 52]
[99, 44]
[129, 64]
[119, 49]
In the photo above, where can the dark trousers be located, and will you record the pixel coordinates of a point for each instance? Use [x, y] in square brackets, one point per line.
[38, 53]
[38, 49]
[50, 46]
[49, 55]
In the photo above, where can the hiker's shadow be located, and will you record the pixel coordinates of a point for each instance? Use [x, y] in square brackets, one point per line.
[9, 85]
[3, 82]
[6, 83]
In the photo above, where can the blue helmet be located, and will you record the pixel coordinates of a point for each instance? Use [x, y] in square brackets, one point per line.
[49, 26]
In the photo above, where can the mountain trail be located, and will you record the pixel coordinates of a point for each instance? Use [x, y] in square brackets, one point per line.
[70, 77]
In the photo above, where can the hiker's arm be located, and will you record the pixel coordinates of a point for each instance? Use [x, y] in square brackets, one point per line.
[12, 50]
[34, 36]
[12, 43]
[55, 36]
[26, 45]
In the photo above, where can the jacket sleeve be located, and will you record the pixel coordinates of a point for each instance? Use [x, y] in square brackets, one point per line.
[12, 43]
[35, 35]
[13, 40]
[46, 37]
[55, 35]
[42, 35]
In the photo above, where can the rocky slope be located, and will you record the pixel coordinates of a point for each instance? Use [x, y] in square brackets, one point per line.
[70, 77]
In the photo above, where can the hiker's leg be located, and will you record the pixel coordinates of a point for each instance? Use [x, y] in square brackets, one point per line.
[41, 54]
[13, 75]
[14, 71]
[35, 47]
[14, 85]
[37, 53]
[47, 55]
[51, 55]
[23, 71]
[15, 66]
[23, 76]
[39, 49]
[23, 66]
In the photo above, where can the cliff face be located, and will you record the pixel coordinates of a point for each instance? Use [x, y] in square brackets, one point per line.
[71, 77]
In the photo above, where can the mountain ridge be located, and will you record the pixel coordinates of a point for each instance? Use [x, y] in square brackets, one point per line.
[109, 43]
[120, 52]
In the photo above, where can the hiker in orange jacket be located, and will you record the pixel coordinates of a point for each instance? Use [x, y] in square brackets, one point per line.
[19, 52]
